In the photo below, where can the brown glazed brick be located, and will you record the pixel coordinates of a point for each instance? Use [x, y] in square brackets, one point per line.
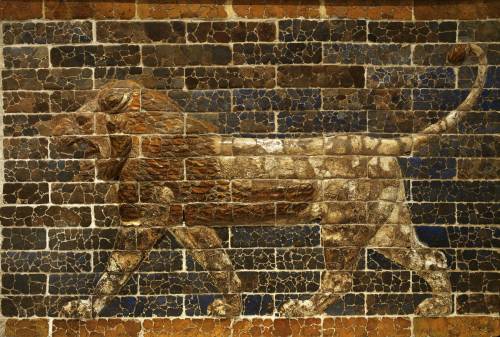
[21, 9]
[374, 9]
[276, 9]
[456, 9]
[367, 327]
[175, 9]
[26, 328]
[456, 326]
[65, 10]
[479, 168]
[96, 328]
[186, 327]
[324, 76]
[25, 101]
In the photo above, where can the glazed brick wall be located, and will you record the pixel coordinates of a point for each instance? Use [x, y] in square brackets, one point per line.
[280, 69]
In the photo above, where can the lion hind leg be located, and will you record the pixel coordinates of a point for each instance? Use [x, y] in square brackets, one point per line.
[430, 264]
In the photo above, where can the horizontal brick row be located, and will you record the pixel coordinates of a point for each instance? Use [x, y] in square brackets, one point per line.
[307, 258]
[84, 171]
[252, 281]
[195, 305]
[329, 327]
[175, 55]
[250, 31]
[35, 238]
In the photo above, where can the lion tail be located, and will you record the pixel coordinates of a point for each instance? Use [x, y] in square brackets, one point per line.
[456, 56]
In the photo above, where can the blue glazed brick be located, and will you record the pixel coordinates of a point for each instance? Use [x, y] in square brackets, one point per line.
[480, 123]
[433, 168]
[322, 121]
[289, 236]
[143, 306]
[258, 304]
[348, 304]
[432, 213]
[433, 99]
[478, 259]
[433, 236]
[197, 305]
[467, 76]
[456, 237]
[478, 213]
[276, 99]
[455, 191]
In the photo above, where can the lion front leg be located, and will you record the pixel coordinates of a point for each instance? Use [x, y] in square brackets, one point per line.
[205, 247]
[134, 241]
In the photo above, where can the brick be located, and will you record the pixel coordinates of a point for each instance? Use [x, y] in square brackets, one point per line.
[27, 284]
[321, 76]
[141, 32]
[159, 78]
[367, 327]
[47, 32]
[21, 10]
[76, 56]
[27, 328]
[96, 328]
[281, 327]
[322, 121]
[478, 304]
[291, 236]
[331, 30]
[276, 99]
[234, 31]
[45, 262]
[411, 32]
[478, 31]
[25, 148]
[376, 54]
[70, 100]
[230, 77]
[179, 55]
[478, 168]
[207, 327]
[457, 326]
[24, 238]
[26, 57]
[27, 193]
[280, 53]
[281, 9]
[25, 102]
[374, 99]
[481, 9]
[176, 9]
[410, 77]
[47, 79]
[373, 10]
[122, 9]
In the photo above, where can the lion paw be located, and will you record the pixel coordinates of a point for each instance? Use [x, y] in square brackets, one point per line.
[77, 309]
[435, 306]
[298, 308]
[221, 308]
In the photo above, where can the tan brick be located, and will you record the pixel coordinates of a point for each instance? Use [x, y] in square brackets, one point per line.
[276, 9]
[26, 328]
[187, 328]
[96, 328]
[461, 10]
[175, 9]
[310, 327]
[366, 327]
[121, 9]
[374, 10]
[456, 326]
[20, 9]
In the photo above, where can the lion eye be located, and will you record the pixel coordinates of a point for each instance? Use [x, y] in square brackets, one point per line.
[114, 101]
